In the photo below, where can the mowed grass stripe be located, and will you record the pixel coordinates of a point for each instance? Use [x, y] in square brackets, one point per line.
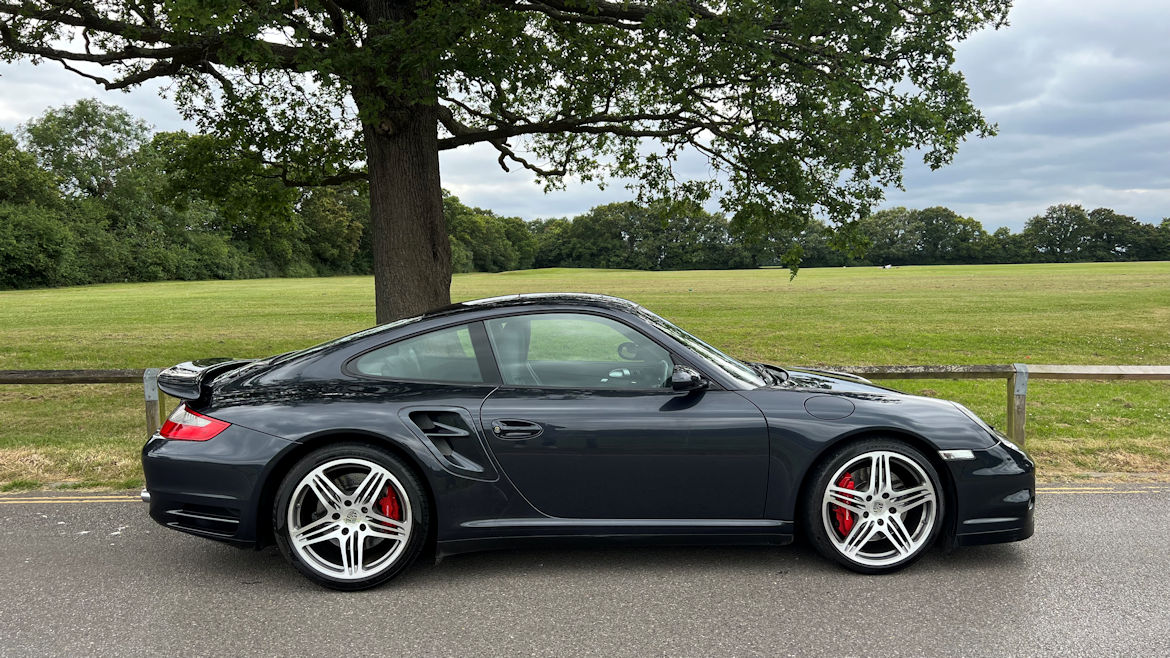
[1098, 313]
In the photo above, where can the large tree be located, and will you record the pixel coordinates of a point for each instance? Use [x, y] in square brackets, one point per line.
[802, 107]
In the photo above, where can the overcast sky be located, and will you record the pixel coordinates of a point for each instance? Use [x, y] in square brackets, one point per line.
[1080, 90]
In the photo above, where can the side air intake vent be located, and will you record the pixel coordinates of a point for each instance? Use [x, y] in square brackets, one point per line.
[439, 432]
[449, 434]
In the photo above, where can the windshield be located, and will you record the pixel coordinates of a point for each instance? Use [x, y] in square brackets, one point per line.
[734, 368]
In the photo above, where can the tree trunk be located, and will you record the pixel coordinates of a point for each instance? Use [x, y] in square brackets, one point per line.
[412, 253]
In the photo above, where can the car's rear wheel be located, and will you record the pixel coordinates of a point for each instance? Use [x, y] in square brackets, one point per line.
[350, 516]
[874, 506]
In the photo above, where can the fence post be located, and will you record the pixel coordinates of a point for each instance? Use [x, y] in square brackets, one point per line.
[1017, 403]
[150, 389]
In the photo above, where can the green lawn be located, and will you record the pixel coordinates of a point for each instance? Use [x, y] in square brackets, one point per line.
[1085, 313]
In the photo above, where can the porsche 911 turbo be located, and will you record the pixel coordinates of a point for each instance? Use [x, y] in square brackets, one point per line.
[565, 417]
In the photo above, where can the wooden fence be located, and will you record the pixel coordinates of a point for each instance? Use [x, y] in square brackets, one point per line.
[1017, 376]
[148, 377]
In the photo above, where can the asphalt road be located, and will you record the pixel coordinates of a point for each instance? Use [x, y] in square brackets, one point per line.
[99, 578]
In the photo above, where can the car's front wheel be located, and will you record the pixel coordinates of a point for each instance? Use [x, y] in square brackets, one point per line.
[874, 506]
[350, 516]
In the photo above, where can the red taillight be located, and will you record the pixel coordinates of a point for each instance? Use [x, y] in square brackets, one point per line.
[187, 425]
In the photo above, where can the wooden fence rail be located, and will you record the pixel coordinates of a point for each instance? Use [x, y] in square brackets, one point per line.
[1017, 376]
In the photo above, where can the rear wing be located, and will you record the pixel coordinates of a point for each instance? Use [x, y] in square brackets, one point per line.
[190, 380]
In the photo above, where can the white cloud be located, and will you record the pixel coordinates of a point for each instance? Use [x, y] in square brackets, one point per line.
[26, 91]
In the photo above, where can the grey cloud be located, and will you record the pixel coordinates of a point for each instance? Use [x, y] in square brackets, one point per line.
[1080, 92]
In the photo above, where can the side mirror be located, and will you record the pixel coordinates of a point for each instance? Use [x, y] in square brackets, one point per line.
[687, 379]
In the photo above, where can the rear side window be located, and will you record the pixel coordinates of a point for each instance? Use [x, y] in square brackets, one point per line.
[446, 355]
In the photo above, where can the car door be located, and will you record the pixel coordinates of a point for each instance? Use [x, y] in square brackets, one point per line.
[586, 426]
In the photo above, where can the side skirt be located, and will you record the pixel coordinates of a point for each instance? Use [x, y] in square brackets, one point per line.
[548, 532]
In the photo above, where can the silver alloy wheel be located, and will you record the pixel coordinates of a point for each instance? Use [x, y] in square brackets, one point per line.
[334, 521]
[894, 506]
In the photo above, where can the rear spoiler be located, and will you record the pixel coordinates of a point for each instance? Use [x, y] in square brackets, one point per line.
[188, 380]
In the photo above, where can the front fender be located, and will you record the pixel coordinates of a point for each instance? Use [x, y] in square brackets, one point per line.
[799, 439]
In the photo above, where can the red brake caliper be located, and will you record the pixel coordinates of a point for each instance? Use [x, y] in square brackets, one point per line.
[844, 517]
[389, 503]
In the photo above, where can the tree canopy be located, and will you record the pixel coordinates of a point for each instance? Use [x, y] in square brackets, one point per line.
[87, 143]
[803, 107]
[186, 206]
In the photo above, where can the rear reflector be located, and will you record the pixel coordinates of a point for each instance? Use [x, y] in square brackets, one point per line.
[186, 425]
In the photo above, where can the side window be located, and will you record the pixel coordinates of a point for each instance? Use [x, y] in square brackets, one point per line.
[445, 355]
[576, 350]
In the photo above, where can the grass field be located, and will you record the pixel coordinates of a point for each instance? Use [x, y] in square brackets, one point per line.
[1085, 313]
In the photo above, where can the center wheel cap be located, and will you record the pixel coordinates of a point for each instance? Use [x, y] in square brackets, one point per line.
[877, 505]
[351, 516]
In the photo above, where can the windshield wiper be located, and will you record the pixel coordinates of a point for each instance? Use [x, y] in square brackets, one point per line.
[784, 372]
[769, 372]
[765, 371]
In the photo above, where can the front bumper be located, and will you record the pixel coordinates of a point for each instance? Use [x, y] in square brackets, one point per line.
[211, 488]
[995, 496]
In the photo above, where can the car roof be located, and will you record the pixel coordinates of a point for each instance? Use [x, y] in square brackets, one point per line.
[536, 299]
[380, 332]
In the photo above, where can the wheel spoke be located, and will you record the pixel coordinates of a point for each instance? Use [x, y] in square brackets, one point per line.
[352, 549]
[899, 536]
[847, 498]
[384, 527]
[326, 491]
[908, 499]
[371, 487]
[859, 537]
[880, 473]
[320, 530]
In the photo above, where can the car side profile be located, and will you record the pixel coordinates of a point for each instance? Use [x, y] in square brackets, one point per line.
[563, 417]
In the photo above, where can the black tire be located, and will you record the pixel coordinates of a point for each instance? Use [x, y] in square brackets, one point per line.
[818, 514]
[343, 462]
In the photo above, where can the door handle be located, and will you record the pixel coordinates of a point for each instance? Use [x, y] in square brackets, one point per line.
[515, 430]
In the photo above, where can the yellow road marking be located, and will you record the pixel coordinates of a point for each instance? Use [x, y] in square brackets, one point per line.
[1100, 493]
[63, 499]
[1100, 490]
[1102, 485]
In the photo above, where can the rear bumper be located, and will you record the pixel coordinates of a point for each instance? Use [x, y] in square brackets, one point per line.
[210, 488]
[996, 496]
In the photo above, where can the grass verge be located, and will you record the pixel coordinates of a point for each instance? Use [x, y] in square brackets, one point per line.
[1105, 313]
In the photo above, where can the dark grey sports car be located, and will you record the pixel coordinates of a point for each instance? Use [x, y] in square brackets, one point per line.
[553, 417]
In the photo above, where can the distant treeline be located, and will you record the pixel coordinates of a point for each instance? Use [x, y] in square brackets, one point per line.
[88, 194]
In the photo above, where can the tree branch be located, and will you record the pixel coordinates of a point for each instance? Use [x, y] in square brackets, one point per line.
[594, 125]
[206, 46]
[628, 11]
